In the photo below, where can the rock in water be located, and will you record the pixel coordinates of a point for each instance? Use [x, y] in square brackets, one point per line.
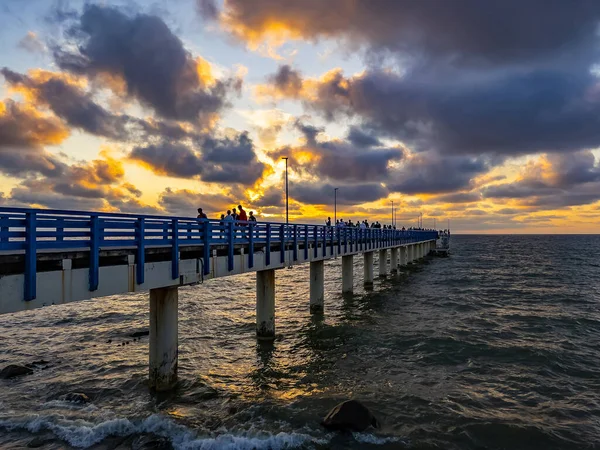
[77, 397]
[14, 370]
[140, 333]
[350, 415]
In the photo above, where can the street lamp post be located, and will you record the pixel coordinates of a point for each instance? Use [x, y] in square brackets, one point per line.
[392, 213]
[287, 216]
[335, 205]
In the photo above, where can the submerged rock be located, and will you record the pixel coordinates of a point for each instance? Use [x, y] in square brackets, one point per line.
[140, 333]
[14, 370]
[350, 415]
[77, 397]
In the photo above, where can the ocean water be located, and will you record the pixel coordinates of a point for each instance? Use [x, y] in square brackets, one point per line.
[494, 347]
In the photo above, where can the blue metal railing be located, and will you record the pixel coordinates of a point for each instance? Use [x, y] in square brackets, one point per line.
[31, 230]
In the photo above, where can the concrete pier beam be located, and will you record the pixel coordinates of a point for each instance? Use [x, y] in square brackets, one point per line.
[163, 337]
[265, 304]
[403, 256]
[383, 263]
[317, 286]
[394, 260]
[347, 273]
[368, 268]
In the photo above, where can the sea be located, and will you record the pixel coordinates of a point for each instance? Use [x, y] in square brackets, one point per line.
[495, 347]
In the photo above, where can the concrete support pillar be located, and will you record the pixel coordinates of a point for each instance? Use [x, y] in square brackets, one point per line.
[394, 260]
[265, 304]
[403, 256]
[317, 286]
[368, 268]
[383, 263]
[347, 273]
[163, 337]
[410, 253]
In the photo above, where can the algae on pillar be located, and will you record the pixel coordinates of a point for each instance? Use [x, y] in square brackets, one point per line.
[347, 273]
[265, 304]
[317, 286]
[368, 268]
[163, 337]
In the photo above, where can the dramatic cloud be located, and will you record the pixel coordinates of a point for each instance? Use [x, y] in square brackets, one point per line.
[230, 159]
[505, 114]
[94, 185]
[462, 31]
[184, 202]
[69, 102]
[553, 182]
[23, 135]
[322, 194]
[337, 159]
[151, 60]
[430, 173]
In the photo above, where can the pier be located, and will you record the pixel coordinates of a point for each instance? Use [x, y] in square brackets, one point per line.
[50, 257]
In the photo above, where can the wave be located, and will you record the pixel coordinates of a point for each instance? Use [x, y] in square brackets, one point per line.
[83, 434]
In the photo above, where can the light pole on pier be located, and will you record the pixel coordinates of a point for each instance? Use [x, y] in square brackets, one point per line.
[392, 213]
[287, 216]
[335, 205]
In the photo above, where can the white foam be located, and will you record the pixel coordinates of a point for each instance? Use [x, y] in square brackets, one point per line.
[80, 433]
[366, 438]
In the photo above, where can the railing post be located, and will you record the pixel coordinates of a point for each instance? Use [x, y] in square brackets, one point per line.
[4, 229]
[250, 245]
[206, 237]
[268, 254]
[230, 232]
[324, 241]
[332, 230]
[339, 242]
[141, 251]
[30, 256]
[306, 242]
[295, 250]
[316, 235]
[282, 241]
[174, 249]
[60, 229]
[94, 252]
[345, 240]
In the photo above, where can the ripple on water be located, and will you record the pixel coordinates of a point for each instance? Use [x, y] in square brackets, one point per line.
[494, 347]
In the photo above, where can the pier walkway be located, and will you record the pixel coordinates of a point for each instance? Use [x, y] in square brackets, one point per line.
[52, 257]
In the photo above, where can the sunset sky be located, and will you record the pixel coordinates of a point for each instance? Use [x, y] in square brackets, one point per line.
[486, 114]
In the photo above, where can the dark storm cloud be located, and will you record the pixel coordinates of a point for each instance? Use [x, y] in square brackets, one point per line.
[152, 61]
[272, 196]
[337, 159]
[432, 173]
[459, 197]
[23, 136]
[176, 160]
[286, 81]
[219, 160]
[508, 113]
[323, 194]
[71, 104]
[462, 31]
[360, 138]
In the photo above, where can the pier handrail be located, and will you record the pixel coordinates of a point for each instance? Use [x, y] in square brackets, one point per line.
[28, 230]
